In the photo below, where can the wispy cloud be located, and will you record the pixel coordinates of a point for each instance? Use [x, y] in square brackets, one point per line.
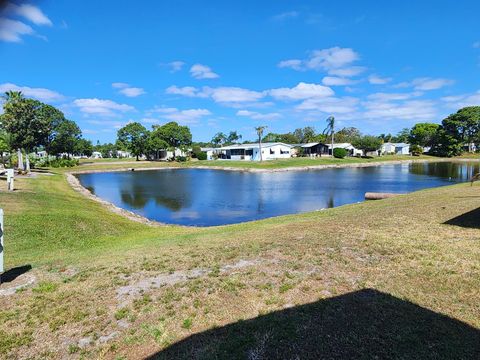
[301, 91]
[200, 71]
[41, 94]
[330, 59]
[127, 90]
[29, 12]
[101, 106]
[12, 29]
[337, 81]
[188, 116]
[259, 116]
[188, 91]
[378, 80]
[285, 16]
[425, 83]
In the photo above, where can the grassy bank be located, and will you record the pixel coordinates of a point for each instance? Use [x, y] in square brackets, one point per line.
[393, 278]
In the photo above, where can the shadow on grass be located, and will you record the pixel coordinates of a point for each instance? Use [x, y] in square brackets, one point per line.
[366, 324]
[470, 219]
[12, 274]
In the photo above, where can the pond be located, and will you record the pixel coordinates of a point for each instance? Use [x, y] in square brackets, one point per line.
[202, 197]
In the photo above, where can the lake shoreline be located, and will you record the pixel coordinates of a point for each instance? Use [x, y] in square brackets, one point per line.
[75, 183]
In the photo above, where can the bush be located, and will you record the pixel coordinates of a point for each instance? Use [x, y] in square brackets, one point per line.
[339, 153]
[202, 155]
[416, 150]
[181, 158]
[57, 163]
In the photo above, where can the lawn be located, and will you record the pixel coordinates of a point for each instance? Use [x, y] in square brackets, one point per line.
[397, 278]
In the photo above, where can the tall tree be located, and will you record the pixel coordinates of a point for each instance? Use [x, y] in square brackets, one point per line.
[65, 138]
[423, 134]
[367, 143]
[260, 130]
[219, 139]
[175, 135]
[233, 137]
[347, 134]
[402, 136]
[134, 136]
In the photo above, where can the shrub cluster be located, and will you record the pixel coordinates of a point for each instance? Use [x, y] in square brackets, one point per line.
[339, 153]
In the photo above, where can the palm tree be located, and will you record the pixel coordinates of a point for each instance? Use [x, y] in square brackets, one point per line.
[330, 129]
[259, 130]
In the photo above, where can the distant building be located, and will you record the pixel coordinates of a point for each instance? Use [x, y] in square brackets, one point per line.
[313, 149]
[270, 151]
[352, 150]
[96, 155]
[395, 148]
[123, 154]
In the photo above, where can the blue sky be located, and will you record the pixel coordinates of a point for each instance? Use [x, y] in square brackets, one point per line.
[225, 65]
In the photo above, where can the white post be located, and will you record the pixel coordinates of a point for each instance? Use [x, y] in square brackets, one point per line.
[1, 243]
[10, 176]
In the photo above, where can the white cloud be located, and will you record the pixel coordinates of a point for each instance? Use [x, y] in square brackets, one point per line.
[330, 105]
[378, 80]
[380, 96]
[188, 91]
[301, 91]
[408, 110]
[430, 84]
[12, 30]
[348, 71]
[336, 81]
[188, 116]
[176, 65]
[286, 15]
[325, 59]
[29, 12]
[37, 93]
[293, 64]
[425, 83]
[460, 101]
[101, 107]
[259, 116]
[200, 71]
[233, 94]
[127, 90]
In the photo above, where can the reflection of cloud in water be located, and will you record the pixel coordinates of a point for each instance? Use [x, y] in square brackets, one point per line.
[186, 214]
[231, 213]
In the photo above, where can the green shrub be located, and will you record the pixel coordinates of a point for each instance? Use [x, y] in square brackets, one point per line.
[416, 150]
[181, 158]
[202, 155]
[339, 153]
[57, 163]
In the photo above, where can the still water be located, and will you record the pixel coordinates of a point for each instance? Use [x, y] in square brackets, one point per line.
[214, 197]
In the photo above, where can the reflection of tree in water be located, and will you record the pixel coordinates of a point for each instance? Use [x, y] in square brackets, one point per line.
[330, 200]
[169, 189]
[454, 170]
[133, 194]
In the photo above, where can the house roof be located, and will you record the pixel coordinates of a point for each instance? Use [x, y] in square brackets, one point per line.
[341, 145]
[307, 145]
[253, 146]
[397, 144]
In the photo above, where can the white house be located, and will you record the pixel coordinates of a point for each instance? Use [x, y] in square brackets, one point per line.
[210, 152]
[123, 154]
[395, 148]
[352, 150]
[270, 151]
[96, 155]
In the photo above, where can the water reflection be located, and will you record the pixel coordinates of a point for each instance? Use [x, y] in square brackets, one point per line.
[214, 197]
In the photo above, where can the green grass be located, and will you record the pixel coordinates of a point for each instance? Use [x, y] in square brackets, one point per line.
[307, 267]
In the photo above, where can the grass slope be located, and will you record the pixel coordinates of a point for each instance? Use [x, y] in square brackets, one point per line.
[387, 279]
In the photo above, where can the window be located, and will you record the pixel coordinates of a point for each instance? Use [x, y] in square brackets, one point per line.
[272, 152]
